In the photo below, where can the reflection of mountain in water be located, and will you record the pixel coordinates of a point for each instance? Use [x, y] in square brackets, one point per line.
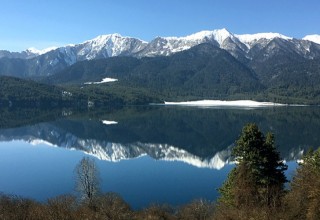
[117, 152]
[200, 137]
[47, 133]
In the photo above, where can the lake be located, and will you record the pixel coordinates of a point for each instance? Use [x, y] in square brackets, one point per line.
[147, 154]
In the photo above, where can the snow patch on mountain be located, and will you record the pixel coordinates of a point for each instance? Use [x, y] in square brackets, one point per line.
[218, 35]
[106, 122]
[254, 37]
[313, 38]
[251, 39]
[40, 52]
[68, 54]
[105, 80]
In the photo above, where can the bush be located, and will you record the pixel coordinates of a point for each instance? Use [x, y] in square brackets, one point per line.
[156, 212]
[111, 206]
[196, 210]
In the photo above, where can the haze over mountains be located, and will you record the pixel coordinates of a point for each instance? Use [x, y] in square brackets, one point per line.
[207, 64]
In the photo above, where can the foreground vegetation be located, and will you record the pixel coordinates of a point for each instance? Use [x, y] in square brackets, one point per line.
[255, 189]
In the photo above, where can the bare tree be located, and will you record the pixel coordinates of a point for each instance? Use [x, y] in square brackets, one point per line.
[87, 179]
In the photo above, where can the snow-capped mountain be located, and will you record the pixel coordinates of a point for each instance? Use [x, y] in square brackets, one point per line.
[28, 54]
[164, 46]
[245, 47]
[51, 60]
[250, 40]
[115, 45]
[112, 45]
[103, 46]
[240, 46]
[109, 46]
[37, 52]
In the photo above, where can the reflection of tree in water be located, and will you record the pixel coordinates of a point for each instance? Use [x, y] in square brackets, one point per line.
[202, 132]
[206, 131]
[10, 118]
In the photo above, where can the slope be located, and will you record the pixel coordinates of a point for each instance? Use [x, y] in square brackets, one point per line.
[202, 71]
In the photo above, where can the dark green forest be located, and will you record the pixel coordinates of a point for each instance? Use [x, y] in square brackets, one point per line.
[16, 92]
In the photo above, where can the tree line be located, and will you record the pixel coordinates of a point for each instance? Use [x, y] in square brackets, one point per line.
[255, 189]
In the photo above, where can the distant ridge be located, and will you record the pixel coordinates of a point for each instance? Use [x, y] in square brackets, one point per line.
[243, 47]
[115, 44]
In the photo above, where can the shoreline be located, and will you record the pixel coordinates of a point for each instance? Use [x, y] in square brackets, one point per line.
[225, 103]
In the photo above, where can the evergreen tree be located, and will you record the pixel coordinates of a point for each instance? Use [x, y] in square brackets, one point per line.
[304, 197]
[258, 178]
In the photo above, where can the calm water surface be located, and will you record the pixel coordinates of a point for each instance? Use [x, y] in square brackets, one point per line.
[152, 154]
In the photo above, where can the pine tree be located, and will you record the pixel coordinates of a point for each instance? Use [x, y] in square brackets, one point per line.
[304, 197]
[258, 178]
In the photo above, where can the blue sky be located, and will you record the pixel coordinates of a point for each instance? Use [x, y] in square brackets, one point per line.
[41, 24]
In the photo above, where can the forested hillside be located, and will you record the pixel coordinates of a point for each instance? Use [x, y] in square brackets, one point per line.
[16, 92]
[273, 70]
[205, 72]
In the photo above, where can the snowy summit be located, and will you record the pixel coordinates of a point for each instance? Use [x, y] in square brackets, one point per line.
[314, 38]
[40, 52]
[111, 45]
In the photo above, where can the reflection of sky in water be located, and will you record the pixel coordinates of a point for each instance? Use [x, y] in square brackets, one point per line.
[36, 171]
[144, 180]
[41, 172]
[191, 137]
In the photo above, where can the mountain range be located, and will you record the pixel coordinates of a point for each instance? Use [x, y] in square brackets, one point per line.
[209, 64]
[244, 47]
[112, 45]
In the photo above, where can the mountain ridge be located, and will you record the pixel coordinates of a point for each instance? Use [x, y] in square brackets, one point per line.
[265, 67]
[242, 47]
[103, 42]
